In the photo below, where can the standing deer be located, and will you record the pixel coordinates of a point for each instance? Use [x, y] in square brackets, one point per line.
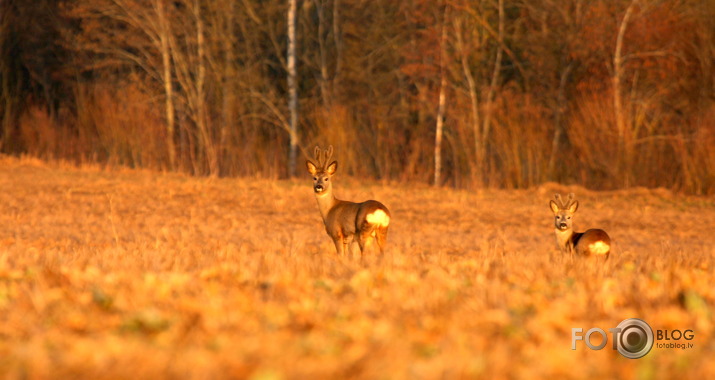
[346, 221]
[594, 242]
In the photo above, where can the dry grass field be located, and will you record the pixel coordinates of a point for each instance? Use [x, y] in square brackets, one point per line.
[130, 274]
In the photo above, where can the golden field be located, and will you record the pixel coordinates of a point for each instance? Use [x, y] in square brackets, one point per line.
[117, 273]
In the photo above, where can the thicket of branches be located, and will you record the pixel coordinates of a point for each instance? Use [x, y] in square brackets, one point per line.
[606, 93]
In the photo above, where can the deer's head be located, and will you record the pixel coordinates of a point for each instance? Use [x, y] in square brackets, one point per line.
[322, 170]
[563, 211]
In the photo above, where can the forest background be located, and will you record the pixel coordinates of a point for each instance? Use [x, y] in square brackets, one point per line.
[484, 93]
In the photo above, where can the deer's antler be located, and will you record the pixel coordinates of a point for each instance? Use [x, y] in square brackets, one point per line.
[564, 205]
[328, 154]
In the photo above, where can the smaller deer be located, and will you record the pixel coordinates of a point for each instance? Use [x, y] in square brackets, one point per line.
[594, 242]
[346, 221]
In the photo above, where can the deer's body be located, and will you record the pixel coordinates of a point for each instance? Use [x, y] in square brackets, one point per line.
[346, 222]
[592, 242]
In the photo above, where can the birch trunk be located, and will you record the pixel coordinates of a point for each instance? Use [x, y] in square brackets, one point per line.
[168, 82]
[292, 88]
[623, 132]
[441, 104]
[495, 80]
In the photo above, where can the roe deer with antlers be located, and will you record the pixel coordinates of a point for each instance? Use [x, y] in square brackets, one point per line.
[594, 242]
[346, 221]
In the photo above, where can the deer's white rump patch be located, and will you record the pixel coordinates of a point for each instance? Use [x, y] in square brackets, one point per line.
[378, 217]
[599, 248]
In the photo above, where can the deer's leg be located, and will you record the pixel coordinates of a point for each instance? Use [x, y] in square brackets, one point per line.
[347, 247]
[362, 242]
[367, 232]
[338, 241]
[353, 243]
[381, 238]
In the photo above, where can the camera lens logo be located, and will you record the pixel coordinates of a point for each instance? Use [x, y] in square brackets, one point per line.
[635, 338]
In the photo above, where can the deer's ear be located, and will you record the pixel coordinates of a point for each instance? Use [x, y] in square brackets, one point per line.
[573, 207]
[332, 168]
[312, 169]
[554, 206]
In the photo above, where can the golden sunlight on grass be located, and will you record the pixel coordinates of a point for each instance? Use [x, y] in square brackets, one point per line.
[137, 274]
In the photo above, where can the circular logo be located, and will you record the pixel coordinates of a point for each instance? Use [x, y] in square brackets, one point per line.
[635, 338]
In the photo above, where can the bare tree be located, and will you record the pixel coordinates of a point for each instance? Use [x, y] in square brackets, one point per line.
[489, 105]
[164, 33]
[202, 119]
[442, 100]
[623, 130]
[463, 52]
[292, 88]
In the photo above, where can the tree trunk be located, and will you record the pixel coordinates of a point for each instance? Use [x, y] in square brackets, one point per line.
[292, 88]
[202, 121]
[474, 103]
[558, 120]
[228, 111]
[494, 82]
[165, 30]
[322, 52]
[338, 44]
[623, 130]
[441, 103]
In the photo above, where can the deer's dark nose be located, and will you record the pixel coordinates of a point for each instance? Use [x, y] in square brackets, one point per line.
[318, 188]
[562, 225]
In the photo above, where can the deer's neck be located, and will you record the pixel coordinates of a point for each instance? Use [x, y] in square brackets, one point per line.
[564, 239]
[326, 201]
